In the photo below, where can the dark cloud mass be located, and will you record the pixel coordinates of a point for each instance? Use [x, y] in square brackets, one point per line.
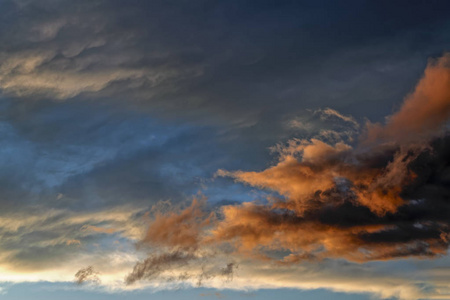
[230, 60]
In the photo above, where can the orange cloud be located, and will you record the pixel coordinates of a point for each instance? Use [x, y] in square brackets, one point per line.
[179, 229]
[338, 201]
[308, 167]
[424, 111]
[295, 179]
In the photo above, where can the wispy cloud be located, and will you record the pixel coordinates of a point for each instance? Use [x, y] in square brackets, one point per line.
[87, 275]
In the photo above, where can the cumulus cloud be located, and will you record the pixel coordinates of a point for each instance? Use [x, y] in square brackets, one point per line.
[352, 202]
[424, 111]
[336, 200]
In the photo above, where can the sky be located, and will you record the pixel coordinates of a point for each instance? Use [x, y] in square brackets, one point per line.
[212, 149]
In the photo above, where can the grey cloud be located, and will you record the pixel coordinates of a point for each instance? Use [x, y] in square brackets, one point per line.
[76, 48]
[153, 266]
[326, 124]
[180, 265]
[87, 274]
[218, 61]
[39, 239]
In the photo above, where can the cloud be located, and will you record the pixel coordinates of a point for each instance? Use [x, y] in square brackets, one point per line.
[70, 49]
[97, 50]
[153, 266]
[424, 112]
[332, 201]
[180, 266]
[39, 240]
[337, 203]
[176, 244]
[39, 73]
[230, 63]
[182, 229]
[328, 124]
[98, 229]
[328, 113]
[87, 275]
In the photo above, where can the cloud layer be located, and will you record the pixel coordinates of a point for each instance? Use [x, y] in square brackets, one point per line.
[109, 107]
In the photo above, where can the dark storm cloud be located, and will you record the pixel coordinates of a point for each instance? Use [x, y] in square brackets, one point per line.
[213, 60]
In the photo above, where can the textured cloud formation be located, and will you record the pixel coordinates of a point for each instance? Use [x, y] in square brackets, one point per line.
[382, 202]
[215, 84]
[187, 227]
[87, 274]
[70, 49]
[424, 111]
[130, 53]
[340, 201]
[182, 265]
[177, 248]
[39, 240]
[25, 74]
